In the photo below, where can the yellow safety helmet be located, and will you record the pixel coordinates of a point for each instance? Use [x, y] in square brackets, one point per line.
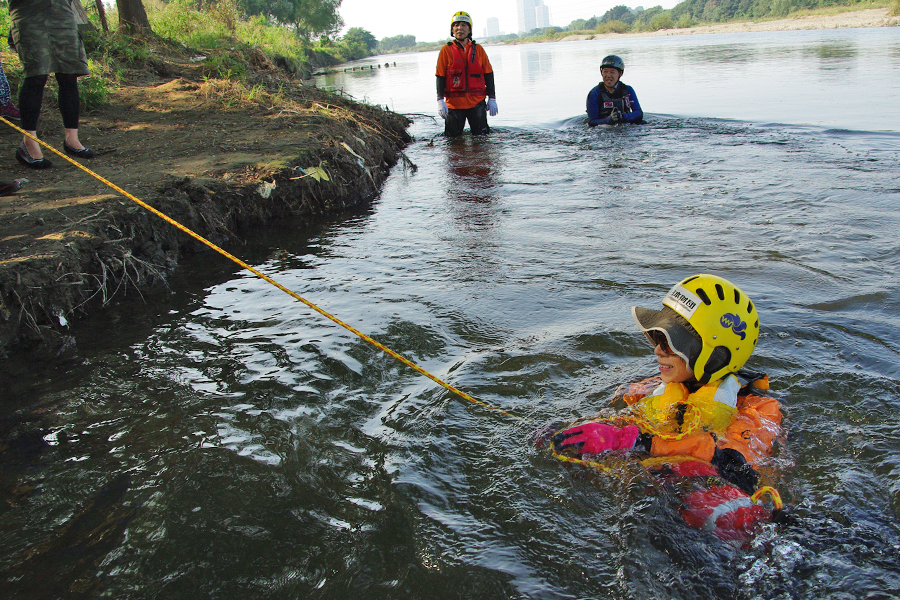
[708, 321]
[463, 17]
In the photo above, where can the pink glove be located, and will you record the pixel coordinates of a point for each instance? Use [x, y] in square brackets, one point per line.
[594, 438]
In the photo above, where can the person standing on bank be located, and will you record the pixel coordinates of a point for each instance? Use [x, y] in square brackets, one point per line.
[45, 34]
[612, 102]
[464, 79]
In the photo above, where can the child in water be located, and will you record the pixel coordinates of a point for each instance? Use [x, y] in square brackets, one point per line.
[701, 416]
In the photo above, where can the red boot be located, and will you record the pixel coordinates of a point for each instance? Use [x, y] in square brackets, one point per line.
[10, 111]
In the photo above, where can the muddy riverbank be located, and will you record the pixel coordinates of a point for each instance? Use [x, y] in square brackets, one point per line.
[219, 157]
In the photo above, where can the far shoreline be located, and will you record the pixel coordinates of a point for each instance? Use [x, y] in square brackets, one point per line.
[870, 17]
[854, 19]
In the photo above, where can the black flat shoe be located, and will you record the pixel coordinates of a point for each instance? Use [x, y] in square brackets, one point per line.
[83, 153]
[35, 163]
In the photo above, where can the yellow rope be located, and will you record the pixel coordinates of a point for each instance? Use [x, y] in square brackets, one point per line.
[773, 494]
[647, 426]
[580, 461]
[265, 277]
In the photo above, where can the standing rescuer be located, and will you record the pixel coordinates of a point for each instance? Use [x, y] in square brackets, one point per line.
[464, 79]
[612, 102]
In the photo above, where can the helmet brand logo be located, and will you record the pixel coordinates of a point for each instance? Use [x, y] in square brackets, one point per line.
[733, 322]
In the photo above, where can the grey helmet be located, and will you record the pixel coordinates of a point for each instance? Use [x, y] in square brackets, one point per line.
[613, 61]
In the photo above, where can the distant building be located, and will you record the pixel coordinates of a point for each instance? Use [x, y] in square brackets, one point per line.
[542, 14]
[532, 14]
[526, 15]
[493, 27]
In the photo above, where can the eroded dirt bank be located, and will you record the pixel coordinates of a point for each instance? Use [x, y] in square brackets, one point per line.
[219, 157]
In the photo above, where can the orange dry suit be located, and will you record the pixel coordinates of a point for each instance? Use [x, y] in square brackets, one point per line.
[730, 429]
[724, 415]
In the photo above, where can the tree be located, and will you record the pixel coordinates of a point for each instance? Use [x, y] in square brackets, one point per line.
[132, 16]
[361, 36]
[308, 17]
[101, 11]
[359, 43]
[577, 25]
[619, 13]
[398, 42]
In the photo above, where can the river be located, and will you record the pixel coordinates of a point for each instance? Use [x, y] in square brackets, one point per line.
[218, 439]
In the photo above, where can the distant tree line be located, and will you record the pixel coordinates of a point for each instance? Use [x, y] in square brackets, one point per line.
[622, 19]
[732, 10]
[398, 43]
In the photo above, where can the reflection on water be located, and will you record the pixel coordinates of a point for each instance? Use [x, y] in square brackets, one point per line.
[723, 53]
[833, 53]
[474, 170]
[220, 440]
[683, 75]
[536, 66]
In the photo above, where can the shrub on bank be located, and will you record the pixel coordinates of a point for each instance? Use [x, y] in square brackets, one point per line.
[614, 26]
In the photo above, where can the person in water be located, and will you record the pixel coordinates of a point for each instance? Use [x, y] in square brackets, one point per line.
[702, 406]
[465, 79]
[612, 102]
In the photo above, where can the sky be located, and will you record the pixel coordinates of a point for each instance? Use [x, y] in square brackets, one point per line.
[430, 21]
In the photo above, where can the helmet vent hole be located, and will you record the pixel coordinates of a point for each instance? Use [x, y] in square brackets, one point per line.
[702, 293]
[720, 292]
[750, 309]
[737, 297]
[718, 359]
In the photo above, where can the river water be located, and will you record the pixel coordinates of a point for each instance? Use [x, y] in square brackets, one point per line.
[221, 440]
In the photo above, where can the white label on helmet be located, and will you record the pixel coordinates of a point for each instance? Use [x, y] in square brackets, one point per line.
[683, 301]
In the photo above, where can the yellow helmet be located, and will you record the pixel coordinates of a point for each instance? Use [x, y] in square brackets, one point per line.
[708, 321]
[462, 17]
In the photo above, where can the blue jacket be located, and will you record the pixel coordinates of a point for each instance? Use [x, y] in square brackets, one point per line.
[624, 98]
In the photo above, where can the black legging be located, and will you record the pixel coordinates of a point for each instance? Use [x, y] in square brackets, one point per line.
[31, 95]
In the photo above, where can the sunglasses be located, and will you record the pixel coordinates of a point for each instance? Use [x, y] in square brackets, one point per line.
[659, 339]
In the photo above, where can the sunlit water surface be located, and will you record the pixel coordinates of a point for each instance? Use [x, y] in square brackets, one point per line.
[221, 440]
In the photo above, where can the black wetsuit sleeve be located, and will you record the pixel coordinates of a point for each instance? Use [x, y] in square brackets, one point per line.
[441, 86]
[489, 85]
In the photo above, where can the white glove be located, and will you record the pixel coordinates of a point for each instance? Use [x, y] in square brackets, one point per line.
[492, 107]
[442, 109]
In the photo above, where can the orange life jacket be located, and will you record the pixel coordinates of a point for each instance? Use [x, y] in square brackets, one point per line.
[752, 430]
[464, 74]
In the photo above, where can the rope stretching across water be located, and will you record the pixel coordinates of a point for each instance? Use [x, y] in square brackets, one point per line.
[692, 426]
[265, 277]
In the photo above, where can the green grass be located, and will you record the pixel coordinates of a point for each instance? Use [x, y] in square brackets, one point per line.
[115, 48]
[221, 29]
[225, 66]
